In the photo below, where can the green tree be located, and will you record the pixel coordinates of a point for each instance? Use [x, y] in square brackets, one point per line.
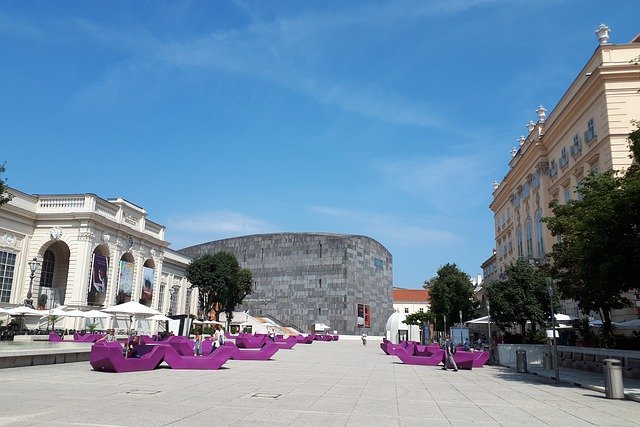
[597, 256]
[450, 292]
[520, 298]
[236, 295]
[222, 284]
[4, 196]
[421, 319]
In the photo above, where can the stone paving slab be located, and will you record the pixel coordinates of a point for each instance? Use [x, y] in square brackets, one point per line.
[327, 383]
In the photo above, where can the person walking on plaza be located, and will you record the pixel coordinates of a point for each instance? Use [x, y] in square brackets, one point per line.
[364, 339]
[449, 351]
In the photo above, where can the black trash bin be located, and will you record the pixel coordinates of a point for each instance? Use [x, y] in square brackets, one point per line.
[521, 361]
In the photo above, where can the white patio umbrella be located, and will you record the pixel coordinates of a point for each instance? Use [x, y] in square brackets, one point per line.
[207, 322]
[22, 311]
[131, 308]
[563, 317]
[159, 318]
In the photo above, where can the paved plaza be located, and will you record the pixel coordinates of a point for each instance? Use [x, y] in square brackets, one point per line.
[326, 383]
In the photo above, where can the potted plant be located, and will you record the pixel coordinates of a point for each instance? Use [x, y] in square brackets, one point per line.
[42, 301]
[52, 319]
[92, 327]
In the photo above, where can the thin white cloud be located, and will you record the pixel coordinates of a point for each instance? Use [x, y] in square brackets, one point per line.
[447, 183]
[219, 223]
[389, 228]
[283, 51]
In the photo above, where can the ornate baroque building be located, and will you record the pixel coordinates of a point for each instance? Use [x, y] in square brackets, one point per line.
[90, 252]
[300, 279]
[586, 132]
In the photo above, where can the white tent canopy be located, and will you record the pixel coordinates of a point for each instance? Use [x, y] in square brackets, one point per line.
[320, 327]
[483, 319]
[634, 323]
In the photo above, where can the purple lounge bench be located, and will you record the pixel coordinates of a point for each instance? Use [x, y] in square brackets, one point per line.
[407, 356]
[464, 359]
[54, 337]
[87, 337]
[109, 357]
[480, 358]
[264, 353]
[287, 343]
[304, 339]
[210, 361]
[252, 342]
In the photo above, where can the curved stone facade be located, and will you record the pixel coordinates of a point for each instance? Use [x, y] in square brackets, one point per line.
[305, 278]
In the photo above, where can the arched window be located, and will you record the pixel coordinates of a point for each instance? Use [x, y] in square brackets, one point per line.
[48, 264]
[519, 241]
[529, 238]
[539, 234]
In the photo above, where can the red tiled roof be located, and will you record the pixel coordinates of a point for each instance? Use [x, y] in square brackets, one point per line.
[416, 295]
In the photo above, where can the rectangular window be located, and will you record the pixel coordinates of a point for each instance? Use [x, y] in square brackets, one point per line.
[564, 158]
[406, 309]
[567, 194]
[379, 265]
[590, 133]
[553, 169]
[7, 266]
[576, 147]
[421, 310]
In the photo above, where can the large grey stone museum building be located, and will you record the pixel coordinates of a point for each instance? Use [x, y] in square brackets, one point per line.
[300, 279]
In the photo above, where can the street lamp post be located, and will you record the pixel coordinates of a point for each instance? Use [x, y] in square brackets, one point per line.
[553, 326]
[33, 265]
[461, 339]
[444, 318]
[489, 324]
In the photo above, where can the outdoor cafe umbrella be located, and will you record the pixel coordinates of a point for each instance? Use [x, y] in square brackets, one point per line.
[131, 308]
[22, 311]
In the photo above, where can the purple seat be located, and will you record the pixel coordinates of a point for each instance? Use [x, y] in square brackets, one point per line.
[252, 342]
[209, 361]
[480, 358]
[264, 353]
[87, 337]
[109, 357]
[304, 339]
[407, 356]
[286, 344]
[464, 359]
[54, 337]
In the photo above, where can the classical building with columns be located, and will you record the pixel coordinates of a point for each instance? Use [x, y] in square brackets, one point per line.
[585, 132]
[89, 252]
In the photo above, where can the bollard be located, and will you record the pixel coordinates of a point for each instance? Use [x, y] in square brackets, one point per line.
[613, 385]
[547, 361]
[521, 361]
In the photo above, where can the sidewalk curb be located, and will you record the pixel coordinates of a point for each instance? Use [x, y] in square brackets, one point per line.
[600, 389]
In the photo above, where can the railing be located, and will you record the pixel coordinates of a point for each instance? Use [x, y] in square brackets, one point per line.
[61, 203]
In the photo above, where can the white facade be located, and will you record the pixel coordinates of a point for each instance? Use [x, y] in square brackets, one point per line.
[67, 234]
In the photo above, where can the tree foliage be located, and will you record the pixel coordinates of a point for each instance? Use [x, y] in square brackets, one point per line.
[450, 292]
[4, 196]
[521, 297]
[222, 284]
[597, 256]
[420, 318]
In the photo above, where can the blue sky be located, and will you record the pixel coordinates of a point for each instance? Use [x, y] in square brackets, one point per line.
[387, 119]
